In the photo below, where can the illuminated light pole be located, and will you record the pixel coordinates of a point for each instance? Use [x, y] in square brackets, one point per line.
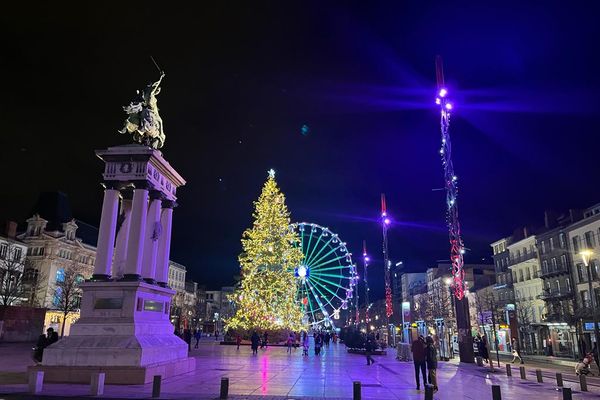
[457, 250]
[366, 260]
[385, 223]
[586, 255]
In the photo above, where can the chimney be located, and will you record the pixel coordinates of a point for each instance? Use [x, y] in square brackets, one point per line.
[11, 229]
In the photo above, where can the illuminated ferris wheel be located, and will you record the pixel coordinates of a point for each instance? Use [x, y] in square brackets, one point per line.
[326, 276]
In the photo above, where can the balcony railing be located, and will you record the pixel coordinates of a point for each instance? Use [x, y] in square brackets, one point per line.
[551, 271]
[522, 258]
[555, 294]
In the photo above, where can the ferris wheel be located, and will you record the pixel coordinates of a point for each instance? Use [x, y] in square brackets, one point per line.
[326, 276]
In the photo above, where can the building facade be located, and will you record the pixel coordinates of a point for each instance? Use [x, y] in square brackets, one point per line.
[12, 265]
[585, 235]
[504, 283]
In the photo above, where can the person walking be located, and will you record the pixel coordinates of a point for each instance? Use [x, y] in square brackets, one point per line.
[289, 343]
[483, 349]
[369, 347]
[197, 336]
[305, 343]
[419, 358]
[431, 361]
[254, 339]
[187, 338]
[265, 341]
[216, 335]
[517, 350]
[238, 340]
[318, 343]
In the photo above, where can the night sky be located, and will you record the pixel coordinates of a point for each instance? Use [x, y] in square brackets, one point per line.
[244, 78]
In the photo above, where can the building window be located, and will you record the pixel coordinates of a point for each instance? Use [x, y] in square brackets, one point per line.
[568, 284]
[3, 250]
[545, 266]
[558, 286]
[563, 261]
[535, 273]
[551, 244]
[594, 269]
[581, 273]
[524, 251]
[562, 240]
[543, 247]
[590, 242]
[521, 275]
[57, 296]
[514, 276]
[528, 273]
[60, 275]
[575, 244]
[585, 298]
[554, 264]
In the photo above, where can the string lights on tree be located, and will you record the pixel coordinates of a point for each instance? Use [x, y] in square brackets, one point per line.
[267, 299]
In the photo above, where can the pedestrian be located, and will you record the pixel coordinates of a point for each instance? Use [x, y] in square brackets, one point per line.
[238, 340]
[431, 361]
[38, 350]
[419, 359]
[318, 343]
[254, 339]
[369, 347]
[483, 349]
[216, 335]
[187, 337]
[515, 348]
[197, 336]
[51, 336]
[595, 352]
[305, 344]
[289, 343]
[265, 341]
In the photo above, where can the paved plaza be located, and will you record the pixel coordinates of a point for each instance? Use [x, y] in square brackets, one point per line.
[276, 374]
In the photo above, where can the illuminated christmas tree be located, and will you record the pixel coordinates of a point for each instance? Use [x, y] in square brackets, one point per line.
[267, 299]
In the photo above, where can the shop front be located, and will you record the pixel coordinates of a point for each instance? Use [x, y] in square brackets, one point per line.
[559, 340]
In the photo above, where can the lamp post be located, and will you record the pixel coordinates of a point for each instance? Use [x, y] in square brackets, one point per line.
[586, 255]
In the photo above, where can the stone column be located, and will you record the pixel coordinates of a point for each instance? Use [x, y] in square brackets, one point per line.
[106, 234]
[137, 227]
[123, 235]
[164, 245]
[151, 237]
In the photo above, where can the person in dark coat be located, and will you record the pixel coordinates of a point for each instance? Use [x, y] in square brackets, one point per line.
[369, 348]
[197, 336]
[38, 350]
[187, 337]
[255, 340]
[318, 343]
[51, 336]
[431, 361]
[419, 358]
[483, 349]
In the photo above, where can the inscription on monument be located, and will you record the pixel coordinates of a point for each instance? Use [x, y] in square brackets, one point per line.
[109, 304]
[150, 305]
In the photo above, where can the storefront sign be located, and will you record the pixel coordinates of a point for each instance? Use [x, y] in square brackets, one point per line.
[588, 326]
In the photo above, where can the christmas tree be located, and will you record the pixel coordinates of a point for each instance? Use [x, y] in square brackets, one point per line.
[267, 299]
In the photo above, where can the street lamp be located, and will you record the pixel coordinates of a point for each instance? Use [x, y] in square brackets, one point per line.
[586, 256]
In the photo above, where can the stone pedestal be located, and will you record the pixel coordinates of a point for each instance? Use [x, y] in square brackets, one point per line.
[124, 330]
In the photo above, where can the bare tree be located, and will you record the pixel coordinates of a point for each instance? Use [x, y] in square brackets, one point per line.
[67, 293]
[525, 311]
[12, 266]
[488, 312]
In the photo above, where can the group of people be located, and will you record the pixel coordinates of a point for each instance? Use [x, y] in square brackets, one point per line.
[294, 340]
[44, 341]
[425, 360]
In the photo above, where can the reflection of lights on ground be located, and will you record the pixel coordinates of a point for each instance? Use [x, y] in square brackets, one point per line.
[265, 374]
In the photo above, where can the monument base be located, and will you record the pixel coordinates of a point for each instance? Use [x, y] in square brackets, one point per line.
[116, 375]
[124, 332]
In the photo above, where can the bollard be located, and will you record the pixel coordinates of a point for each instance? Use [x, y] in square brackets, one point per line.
[428, 392]
[508, 370]
[156, 385]
[583, 383]
[567, 395]
[36, 381]
[224, 388]
[540, 378]
[97, 384]
[522, 369]
[496, 395]
[356, 393]
[559, 381]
